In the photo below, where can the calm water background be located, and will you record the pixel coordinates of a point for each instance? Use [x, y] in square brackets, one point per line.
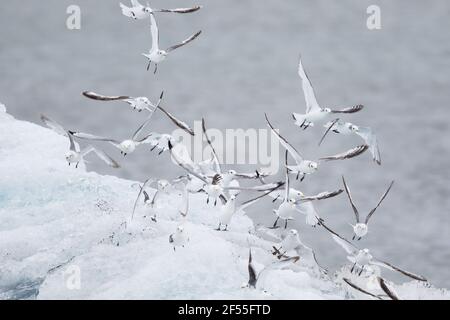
[244, 64]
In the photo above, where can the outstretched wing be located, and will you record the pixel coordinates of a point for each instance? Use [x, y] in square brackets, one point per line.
[321, 196]
[88, 136]
[347, 154]
[191, 38]
[387, 265]
[292, 151]
[54, 125]
[248, 203]
[358, 288]
[216, 158]
[349, 195]
[353, 109]
[379, 202]
[387, 289]
[102, 155]
[141, 191]
[180, 124]
[344, 243]
[180, 163]
[155, 33]
[308, 91]
[95, 96]
[180, 10]
[371, 140]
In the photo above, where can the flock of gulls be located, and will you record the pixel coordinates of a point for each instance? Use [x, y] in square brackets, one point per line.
[223, 188]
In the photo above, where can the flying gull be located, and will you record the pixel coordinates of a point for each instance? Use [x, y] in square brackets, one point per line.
[360, 229]
[315, 113]
[157, 55]
[347, 128]
[138, 11]
[74, 155]
[140, 104]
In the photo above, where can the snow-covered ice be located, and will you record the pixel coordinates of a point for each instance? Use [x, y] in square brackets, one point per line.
[59, 225]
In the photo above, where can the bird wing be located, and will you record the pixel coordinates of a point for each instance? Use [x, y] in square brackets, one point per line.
[379, 202]
[141, 191]
[252, 278]
[354, 152]
[135, 3]
[349, 195]
[54, 125]
[141, 127]
[352, 109]
[279, 265]
[308, 90]
[287, 189]
[95, 96]
[102, 155]
[73, 146]
[389, 266]
[179, 10]
[216, 158]
[344, 243]
[248, 203]
[184, 42]
[88, 136]
[321, 196]
[329, 126]
[155, 33]
[371, 140]
[186, 167]
[261, 188]
[387, 289]
[358, 288]
[177, 122]
[292, 151]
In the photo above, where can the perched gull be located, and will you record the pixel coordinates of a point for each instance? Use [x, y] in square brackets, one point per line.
[138, 11]
[362, 257]
[347, 128]
[304, 167]
[314, 113]
[74, 155]
[179, 238]
[254, 277]
[126, 146]
[360, 229]
[157, 55]
[140, 104]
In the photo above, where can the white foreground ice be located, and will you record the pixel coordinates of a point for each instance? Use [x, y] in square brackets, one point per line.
[58, 223]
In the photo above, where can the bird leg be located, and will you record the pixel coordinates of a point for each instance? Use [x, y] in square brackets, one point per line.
[303, 178]
[298, 175]
[156, 68]
[215, 202]
[149, 64]
[207, 201]
[226, 228]
[354, 236]
[359, 238]
[76, 166]
[218, 228]
[276, 221]
[160, 152]
[362, 269]
[353, 268]
[276, 198]
[285, 224]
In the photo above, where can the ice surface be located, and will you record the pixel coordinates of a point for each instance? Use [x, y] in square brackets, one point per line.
[58, 223]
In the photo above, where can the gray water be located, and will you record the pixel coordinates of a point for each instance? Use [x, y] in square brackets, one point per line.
[244, 64]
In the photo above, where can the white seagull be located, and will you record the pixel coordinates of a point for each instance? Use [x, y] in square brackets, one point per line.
[305, 167]
[138, 11]
[366, 133]
[179, 238]
[157, 55]
[362, 257]
[360, 229]
[315, 113]
[74, 155]
[140, 104]
[126, 146]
